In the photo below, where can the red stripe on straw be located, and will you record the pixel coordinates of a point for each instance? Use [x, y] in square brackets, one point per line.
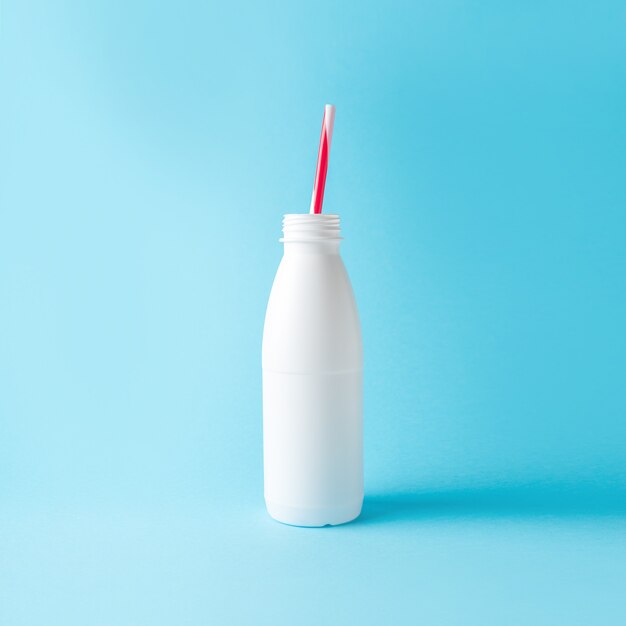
[322, 167]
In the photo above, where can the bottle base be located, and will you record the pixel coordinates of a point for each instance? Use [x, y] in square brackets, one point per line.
[313, 518]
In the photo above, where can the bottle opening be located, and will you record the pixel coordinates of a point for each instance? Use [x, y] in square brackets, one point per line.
[303, 227]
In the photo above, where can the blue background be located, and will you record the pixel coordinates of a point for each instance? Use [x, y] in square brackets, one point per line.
[148, 152]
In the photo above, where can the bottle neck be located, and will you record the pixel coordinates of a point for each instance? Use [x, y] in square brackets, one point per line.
[308, 233]
[310, 247]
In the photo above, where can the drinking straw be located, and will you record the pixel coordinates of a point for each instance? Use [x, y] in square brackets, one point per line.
[328, 122]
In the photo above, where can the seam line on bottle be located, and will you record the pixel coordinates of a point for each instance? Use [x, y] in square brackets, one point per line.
[332, 372]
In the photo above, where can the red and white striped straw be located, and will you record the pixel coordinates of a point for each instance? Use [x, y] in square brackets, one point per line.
[322, 159]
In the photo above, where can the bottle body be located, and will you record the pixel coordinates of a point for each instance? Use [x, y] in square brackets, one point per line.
[312, 382]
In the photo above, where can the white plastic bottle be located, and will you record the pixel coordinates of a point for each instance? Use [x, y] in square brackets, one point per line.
[312, 381]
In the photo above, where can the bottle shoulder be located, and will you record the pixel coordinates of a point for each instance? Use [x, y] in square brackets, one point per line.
[312, 322]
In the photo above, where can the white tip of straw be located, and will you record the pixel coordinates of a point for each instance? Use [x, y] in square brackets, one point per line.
[329, 121]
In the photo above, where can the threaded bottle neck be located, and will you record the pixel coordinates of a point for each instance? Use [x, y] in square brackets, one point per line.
[310, 228]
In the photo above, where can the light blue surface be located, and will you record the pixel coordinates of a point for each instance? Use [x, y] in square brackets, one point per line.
[148, 152]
